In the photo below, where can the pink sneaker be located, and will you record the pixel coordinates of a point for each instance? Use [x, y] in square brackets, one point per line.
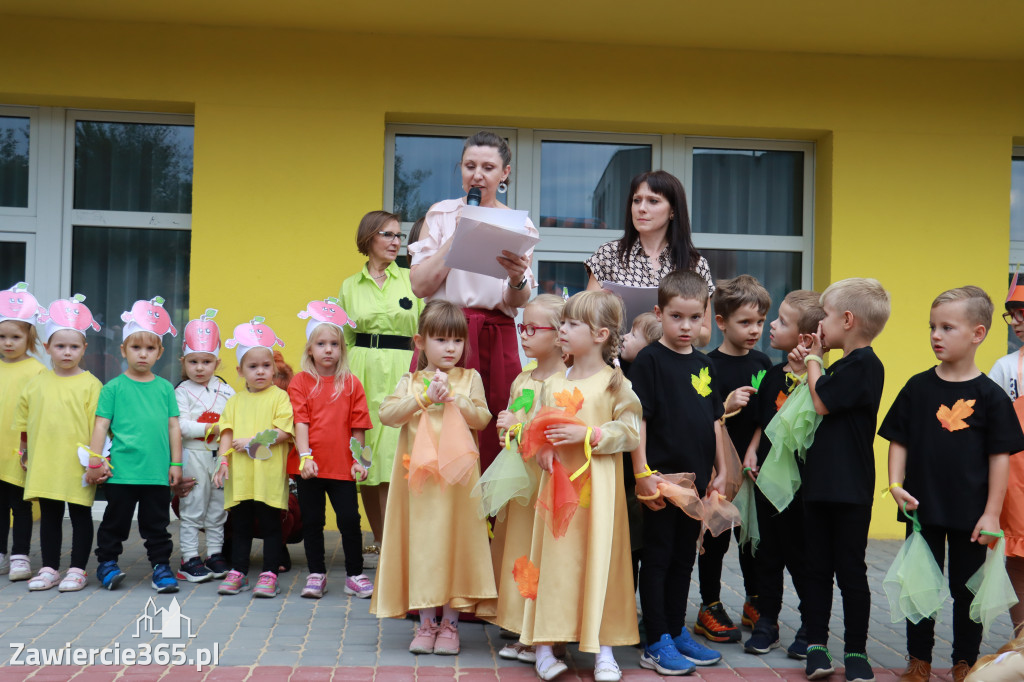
[44, 580]
[233, 583]
[423, 642]
[266, 586]
[359, 585]
[447, 643]
[74, 580]
[316, 586]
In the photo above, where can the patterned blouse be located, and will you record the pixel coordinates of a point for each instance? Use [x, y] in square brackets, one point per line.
[605, 266]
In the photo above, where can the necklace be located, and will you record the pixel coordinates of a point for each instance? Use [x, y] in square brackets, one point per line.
[380, 276]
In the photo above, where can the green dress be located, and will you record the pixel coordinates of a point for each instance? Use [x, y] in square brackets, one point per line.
[391, 309]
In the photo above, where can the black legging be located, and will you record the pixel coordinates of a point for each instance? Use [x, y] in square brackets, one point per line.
[12, 497]
[670, 544]
[51, 532]
[312, 504]
[709, 567]
[244, 516]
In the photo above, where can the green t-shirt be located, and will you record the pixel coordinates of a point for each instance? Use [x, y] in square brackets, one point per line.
[140, 451]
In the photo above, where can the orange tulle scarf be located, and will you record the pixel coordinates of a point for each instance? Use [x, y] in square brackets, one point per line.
[448, 457]
[560, 497]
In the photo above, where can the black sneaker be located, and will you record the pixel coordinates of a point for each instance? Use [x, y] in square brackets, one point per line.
[763, 639]
[798, 649]
[218, 566]
[194, 571]
[858, 668]
[819, 662]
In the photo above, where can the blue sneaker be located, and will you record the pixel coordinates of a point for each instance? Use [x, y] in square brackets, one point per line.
[109, 574]
[697, 654]
[163, 579]
[663, 658]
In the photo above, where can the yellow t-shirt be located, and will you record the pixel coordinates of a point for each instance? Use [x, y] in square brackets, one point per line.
[246, 414]
[58, 413]
[13, 378]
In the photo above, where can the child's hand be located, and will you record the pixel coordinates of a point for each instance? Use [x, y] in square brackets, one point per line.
[817, 347]
[506, 419]
[987, 522]
[750, 464]
[221, 475]
[797, 355]
[717, 485]
[174, 476]
[902, 497]
[565, 434]
[185, 486]
[97, 475]
[545, 458]
[239, 444]
[647, 487]
[438, 390]
[309, 468]
[358, 471]
[739, 399]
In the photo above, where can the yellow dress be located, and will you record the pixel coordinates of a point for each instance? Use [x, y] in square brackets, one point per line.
[58, 414]
[435, 545]
[513, 534]
[246, 414]
[585, 589]
[13, 378]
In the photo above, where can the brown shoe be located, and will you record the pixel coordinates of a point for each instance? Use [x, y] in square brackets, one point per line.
[960, 671]
[917, 671]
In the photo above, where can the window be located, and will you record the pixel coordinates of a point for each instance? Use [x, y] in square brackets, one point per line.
[751, 201]
[15, 133]
[1016, 231]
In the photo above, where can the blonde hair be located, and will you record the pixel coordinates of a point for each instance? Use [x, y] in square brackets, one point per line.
[148, 336]
[979, 305]
[553, 306]
[441, 319]
[31, 335]
[865, 298]
[807, 304]
[341, 370]
[648, 326]
[597, 310]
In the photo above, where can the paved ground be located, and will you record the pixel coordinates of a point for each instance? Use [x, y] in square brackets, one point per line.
[335, 638]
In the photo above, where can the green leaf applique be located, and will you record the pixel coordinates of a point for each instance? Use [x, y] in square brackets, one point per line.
[755, 380]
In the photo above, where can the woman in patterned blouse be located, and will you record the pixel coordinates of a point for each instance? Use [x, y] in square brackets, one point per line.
[657, 241]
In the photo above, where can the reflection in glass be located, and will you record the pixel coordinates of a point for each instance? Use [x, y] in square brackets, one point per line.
[426, 172]
[554, 275]
[1017, 200]
[133, 167]
[584, 184]
[12, 263]
[741, 191]
[778, 271]
[113, 268]
[14, 137]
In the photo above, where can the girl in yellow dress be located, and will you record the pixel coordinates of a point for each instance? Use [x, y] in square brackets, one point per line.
[255, 429]
[581, 577]
[435, 551]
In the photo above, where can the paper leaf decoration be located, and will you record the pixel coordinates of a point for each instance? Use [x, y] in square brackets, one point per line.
[702, 382]
[952, 419]
[570, 402]
[755, 380]
[526, 576]
[259, 446]
[210, 313]
[524, 402]
[361, 454]
[780, 400]
[405, 462]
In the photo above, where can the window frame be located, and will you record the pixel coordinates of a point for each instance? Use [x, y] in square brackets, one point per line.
[1016, 255]
[29, 240]
[10, 215]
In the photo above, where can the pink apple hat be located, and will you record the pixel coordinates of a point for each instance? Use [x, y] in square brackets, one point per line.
[147, 316]
[202, 335]
[252, 334]
[19, 305]
[326, 311]
[68, 313]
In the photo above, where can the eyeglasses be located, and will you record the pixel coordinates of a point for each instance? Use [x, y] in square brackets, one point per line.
[388, 236]
[530, 329]
[1015, 316]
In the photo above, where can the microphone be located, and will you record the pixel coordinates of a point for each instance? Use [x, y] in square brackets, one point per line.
[473, 198]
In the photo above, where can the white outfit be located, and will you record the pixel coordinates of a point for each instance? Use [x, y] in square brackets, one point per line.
[204, 506]
[1004, 373]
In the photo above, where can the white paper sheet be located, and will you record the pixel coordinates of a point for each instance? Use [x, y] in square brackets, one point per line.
[482, 234]
[637, 299]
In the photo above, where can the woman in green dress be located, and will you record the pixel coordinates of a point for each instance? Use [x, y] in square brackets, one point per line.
[379, 299]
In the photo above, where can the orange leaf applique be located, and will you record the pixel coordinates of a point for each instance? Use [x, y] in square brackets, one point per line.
[526, 576]
[952, 419]
[571, 402]
[405, 462]
[780, 400]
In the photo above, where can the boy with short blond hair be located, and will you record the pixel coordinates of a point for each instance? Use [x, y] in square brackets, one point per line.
[951, 431]
[646, 330]
[839, 474]
[740, 307]
[781, 546]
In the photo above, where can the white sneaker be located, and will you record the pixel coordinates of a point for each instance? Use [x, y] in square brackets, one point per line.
[20, 569]
[5, 564]
[607, 670]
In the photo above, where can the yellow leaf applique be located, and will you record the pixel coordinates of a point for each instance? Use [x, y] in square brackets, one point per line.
[570, 402]
[527, 576]
[702, 382]
[585, 495]
[952, 418]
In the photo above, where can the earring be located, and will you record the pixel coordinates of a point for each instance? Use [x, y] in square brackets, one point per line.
[502, 187]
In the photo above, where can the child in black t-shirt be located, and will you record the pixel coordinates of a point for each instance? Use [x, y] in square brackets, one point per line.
[839, 475]
[782, 533]
[679, 433]
[951, 431]
[740, 308]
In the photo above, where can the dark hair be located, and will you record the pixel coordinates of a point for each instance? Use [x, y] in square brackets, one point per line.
[485, 138]
[685, 284]
[442, 318]
[732, 294]
[681, 252]
[414, 231]
[372, 223]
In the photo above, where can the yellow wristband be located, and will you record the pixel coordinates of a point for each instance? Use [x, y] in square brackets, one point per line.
[646, 472]
[815, 358]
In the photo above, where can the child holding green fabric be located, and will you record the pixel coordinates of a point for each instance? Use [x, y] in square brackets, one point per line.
[950, 432]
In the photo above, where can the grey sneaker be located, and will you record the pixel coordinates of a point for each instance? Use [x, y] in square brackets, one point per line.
[19, 568]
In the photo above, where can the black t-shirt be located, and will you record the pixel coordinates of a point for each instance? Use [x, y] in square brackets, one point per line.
[949, 429]
[681, 401]
[736, 371]
[841, 462]
[775, 389]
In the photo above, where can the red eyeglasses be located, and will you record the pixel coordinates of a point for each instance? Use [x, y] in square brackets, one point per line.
[530, 329]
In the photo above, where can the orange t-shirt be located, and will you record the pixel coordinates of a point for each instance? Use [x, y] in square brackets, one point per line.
[331, 419]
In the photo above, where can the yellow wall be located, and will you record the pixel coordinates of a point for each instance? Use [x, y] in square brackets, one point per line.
[911, 184]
